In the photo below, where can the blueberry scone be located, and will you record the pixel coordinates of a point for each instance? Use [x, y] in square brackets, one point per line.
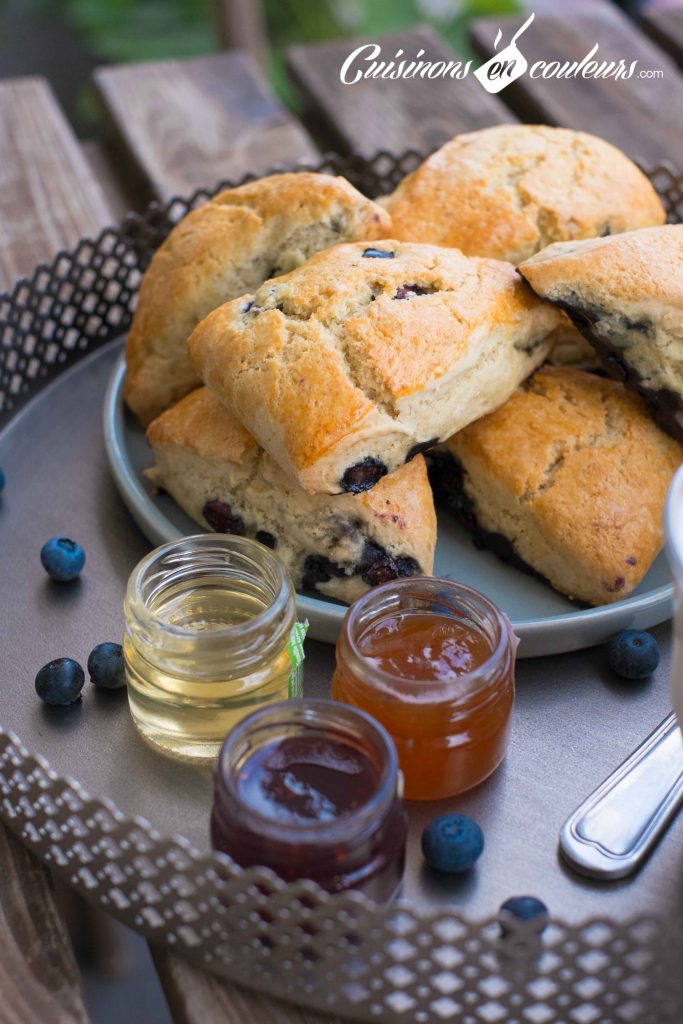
[626, 295]
[348, 366]
[338, 546]
[567, 479]
[507, 192]
[229, 246]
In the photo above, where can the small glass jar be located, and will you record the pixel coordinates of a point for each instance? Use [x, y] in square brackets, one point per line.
[208, 622]
[310, 789]
[433, 661]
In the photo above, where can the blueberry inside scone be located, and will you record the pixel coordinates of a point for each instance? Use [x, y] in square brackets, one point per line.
[348, 366]
[337, 546]
[625, 294]
[566, 480]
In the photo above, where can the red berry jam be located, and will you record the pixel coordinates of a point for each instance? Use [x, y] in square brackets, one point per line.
[310, 790]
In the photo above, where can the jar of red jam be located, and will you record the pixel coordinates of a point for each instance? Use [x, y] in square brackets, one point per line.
[310, 789]
[434, 662]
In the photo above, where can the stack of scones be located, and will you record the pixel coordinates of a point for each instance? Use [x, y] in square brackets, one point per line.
[504, 332]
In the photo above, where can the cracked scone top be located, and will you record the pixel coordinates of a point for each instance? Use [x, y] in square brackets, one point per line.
[349, 365]
[626, 295]
[229, 246]
[568, 478]
[508, 191]
[338, 545]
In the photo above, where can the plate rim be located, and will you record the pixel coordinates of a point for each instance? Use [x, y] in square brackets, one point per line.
[139, 501]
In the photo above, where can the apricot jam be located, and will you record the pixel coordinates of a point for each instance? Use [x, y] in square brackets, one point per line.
[310, 790]
[433, 661]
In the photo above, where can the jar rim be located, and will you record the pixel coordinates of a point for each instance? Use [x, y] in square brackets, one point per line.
[673, 523]
[224, 543]
[359, 666]
[308, 711]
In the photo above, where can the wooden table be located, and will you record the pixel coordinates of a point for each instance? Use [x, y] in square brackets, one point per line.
[177, 125]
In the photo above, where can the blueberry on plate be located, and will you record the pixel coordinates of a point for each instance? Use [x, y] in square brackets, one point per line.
[523, 908]
[105, 666]
[62, 559]
[2, 479]
[633, 654]
[452, 842]
[60, 682]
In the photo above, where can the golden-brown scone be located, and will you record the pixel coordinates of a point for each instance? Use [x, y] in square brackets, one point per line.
[508, 191]
[569, 478]
[349, 365]
[626, 296]
[338, 546]
[227, 247]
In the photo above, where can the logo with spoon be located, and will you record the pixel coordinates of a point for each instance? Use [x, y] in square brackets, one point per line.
[505, 67]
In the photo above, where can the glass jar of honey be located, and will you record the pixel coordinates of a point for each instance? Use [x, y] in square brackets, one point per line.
[433, 661]
[310, 789]
[208, 623]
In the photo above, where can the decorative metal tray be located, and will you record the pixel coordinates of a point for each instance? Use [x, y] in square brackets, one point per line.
[437, 954]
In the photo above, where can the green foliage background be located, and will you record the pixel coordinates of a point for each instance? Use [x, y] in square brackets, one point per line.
[126, 30]
[117, 31]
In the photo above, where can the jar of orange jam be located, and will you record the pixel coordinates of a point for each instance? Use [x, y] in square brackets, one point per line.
[434, 662]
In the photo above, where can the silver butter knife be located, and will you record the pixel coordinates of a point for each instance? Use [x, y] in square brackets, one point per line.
[614, 830]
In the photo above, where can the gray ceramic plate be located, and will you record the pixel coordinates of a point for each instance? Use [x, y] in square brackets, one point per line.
[545, 622]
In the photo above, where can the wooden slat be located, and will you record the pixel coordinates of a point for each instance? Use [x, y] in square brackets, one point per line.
[634, 114]
[196, 122]
[48, 197]
[394, 115]
[666, 28]
[39, 979]
[119, 199]
[197, 997]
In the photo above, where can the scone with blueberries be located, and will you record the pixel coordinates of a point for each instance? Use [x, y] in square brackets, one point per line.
[508, 191]
[626, 295]
[348, 366]
[338, 546]
[229, 246]
[567, 480]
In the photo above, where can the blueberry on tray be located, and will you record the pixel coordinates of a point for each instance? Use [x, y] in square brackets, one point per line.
[62, 559]
[633, 654]
[452, 843]
[105, 666]
[60, 682]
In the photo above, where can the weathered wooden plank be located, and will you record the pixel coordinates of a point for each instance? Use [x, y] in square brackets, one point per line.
[39, 979]
[191, 123]
[634, 114]
[48, 196]
[394, 115]
[119, 198]
[666, 29]
[196, 997]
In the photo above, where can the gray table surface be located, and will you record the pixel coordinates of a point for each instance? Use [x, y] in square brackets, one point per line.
[573, 722]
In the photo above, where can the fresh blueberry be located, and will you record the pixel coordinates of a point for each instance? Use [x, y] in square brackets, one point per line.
[105, 666]
[378, 254]
[62, 559]
[524, 908]
[633, 654]
[2, 479]
[60, 682]
[452, 842]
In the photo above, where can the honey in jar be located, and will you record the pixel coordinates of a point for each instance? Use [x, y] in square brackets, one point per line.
[310, 789]
[433, 661]
[207, 640]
